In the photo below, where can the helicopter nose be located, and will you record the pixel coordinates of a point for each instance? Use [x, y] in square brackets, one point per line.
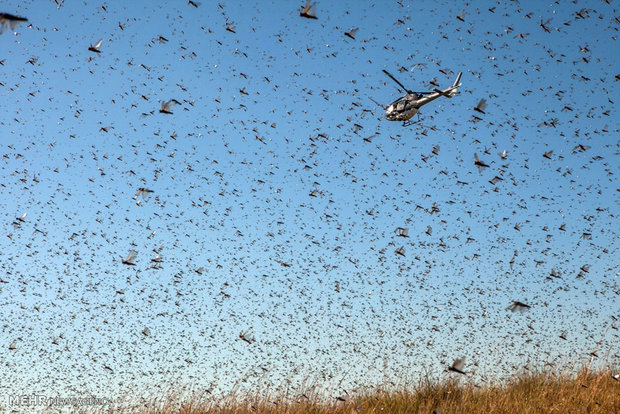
[389, 113]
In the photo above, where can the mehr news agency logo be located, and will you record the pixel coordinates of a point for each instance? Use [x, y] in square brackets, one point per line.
[35, 400]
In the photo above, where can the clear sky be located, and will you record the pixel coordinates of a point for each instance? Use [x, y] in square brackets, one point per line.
[277, 186]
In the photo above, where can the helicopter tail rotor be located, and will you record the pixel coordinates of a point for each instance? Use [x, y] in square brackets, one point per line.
[456, 84]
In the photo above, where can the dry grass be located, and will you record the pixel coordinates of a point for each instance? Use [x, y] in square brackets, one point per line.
[585, 392]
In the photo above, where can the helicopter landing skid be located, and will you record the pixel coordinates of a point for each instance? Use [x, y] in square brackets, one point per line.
[409, 122]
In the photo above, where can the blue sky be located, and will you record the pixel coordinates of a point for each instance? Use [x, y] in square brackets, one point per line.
[268, 115]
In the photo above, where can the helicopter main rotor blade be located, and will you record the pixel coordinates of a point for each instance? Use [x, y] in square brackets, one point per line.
[395, 80]
[378, 104]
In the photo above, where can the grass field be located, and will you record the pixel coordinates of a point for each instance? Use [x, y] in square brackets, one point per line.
[584, 392]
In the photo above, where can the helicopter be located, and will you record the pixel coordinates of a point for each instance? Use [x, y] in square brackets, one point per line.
[405, 107]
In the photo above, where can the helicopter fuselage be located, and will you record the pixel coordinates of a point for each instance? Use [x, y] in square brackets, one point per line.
[402, 109]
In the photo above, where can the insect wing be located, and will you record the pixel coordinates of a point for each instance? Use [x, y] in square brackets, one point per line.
[459, 364]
